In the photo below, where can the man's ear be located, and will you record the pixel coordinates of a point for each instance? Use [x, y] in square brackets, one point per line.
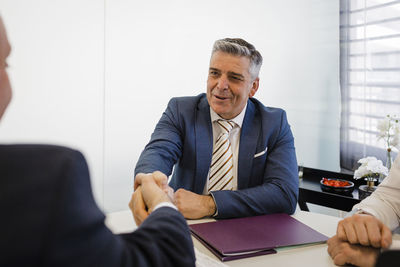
[254, 87]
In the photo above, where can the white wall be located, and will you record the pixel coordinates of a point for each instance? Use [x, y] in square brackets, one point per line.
[57, 73]
[154, 50]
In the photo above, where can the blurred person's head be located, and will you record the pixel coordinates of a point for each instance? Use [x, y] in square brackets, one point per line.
[5, 87]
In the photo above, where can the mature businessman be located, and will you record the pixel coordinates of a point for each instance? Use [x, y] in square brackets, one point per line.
[231, 156]
[49, 216]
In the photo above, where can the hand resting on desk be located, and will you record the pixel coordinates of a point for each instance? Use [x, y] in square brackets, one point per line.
[366, 230]
[192, 205]
[342, 252]
[358, 240]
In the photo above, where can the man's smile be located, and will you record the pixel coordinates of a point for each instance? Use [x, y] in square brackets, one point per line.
[219, 97]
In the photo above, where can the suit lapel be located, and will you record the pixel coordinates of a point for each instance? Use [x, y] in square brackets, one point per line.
[203, 131]
[247, 147]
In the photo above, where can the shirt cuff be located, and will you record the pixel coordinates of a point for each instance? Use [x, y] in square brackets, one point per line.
[165, 204]
[216, 207]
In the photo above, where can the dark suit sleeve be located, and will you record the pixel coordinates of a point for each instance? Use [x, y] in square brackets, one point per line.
[388, 258]
[77, 235]
[162, 240]
[279, 189]
[165, 146]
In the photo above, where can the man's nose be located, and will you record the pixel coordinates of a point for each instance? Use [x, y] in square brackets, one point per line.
[223, 82]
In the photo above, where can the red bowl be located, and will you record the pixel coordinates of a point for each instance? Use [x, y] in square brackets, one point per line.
[334, 185]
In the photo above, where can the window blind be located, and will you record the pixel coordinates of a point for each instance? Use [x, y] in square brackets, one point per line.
[369, 75]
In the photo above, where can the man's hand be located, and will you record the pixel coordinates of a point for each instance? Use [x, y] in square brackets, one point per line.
[161, 180]
[342, 252]
[364, 229]
[192, 205]
[159, 177]
[148, 194]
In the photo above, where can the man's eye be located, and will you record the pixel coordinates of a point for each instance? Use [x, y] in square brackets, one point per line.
[236, 78]
[213, 73]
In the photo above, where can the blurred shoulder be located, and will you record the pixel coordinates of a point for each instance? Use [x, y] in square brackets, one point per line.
[37, 152]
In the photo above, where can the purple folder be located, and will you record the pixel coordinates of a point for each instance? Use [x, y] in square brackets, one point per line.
[252, 236]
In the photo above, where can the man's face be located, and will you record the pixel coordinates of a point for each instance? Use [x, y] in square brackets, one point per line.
[229, 84]
[5, 87]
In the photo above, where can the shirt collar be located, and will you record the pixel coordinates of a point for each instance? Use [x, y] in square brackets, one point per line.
[238, 119]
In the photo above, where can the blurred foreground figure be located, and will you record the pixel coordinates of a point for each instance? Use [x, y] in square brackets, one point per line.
[49, 216]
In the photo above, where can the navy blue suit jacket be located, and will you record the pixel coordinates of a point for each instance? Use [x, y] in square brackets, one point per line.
[49, 217]
[388, 258]
[182, 140]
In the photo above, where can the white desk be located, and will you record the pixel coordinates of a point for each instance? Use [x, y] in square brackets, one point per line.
[311, 255]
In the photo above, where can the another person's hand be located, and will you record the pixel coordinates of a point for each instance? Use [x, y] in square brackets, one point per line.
[148, 194]
[192, 205]
[366, 230]
[342, 252]
[138, 207]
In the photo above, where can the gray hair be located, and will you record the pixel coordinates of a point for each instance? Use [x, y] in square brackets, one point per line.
[239, 47]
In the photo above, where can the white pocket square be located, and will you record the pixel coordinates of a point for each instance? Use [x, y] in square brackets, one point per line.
[261, 153]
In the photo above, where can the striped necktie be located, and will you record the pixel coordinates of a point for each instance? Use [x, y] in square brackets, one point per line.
[221, 169]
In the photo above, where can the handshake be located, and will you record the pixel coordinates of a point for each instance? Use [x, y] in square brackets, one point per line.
[151, 189]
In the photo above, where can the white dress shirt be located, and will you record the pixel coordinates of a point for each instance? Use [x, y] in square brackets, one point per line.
[234, 138]
[165, 204]
[384, 202]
